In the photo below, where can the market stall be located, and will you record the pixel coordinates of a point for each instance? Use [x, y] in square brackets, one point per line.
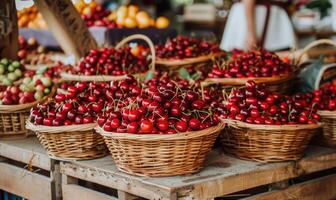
[137, 111]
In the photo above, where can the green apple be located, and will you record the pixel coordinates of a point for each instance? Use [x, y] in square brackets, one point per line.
[46, 91]
[11, 68]
[18, 72]
[38, 95]
[27, 80]
[46, 81]
[2, 69]
[16, 64]
[4, 61]
[11, 76]
[6, 81]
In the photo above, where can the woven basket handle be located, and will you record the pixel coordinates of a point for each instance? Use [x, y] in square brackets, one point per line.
[141, 37]
[312, 45]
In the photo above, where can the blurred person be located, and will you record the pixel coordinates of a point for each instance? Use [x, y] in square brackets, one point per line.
[259, 24]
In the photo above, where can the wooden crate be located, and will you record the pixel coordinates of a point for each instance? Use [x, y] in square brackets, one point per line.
[27, 171]
[222, 176]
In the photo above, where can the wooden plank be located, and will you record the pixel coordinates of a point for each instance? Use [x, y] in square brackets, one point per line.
[71, 192]
[56, 180]
[126, 196]
[320, 188]
[317, 159]
[67, 26]
[28, 150]
[221, 175]
[8, 30]
[24, 183]
[114, 179]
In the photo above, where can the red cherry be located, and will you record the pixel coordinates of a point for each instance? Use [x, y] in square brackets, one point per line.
[254, 113]
[87, 120]
[194, 123]
[132, 127]
[146, 126]
[181, 126]
[78, 119]
[47, 121]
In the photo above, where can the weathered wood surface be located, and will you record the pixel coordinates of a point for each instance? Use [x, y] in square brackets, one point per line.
[72, 192]
[28, 150]
[320, 188]
[222, 175]
[67, 26]
[8, 30]
[24, 183]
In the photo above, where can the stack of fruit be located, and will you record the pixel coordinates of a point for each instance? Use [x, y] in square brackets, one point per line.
[125, 16]
[31, 18]
[111, 61]
[10, 71]
[183, 47]
[266, 126]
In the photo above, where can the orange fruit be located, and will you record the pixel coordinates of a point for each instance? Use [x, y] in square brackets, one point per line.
[130, 23]
[132, 10]
[162, 22]
[122, 12]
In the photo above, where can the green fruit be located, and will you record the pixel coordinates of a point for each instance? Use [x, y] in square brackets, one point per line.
[38, 95]
[1, 103]
[18, 72]
[16, 64]
[6, 81]
[23, 88]
[46, 82]
[4, 61]
[2, 69]
[27, 80]
[11, 68]
[11, 76]
[46, 91]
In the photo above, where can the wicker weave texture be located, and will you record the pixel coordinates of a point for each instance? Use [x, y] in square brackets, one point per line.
[169, 156]
[266, 145]
[328, 136]
[80, 145]
[12, 125]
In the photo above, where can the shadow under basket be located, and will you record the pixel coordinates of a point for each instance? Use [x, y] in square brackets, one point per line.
[73, 142]
[161, 155]
[328, 136]
[266, 143]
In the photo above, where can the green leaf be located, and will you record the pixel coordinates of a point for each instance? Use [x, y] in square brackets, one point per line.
[149, 75]
[196, 76]
[184, 74]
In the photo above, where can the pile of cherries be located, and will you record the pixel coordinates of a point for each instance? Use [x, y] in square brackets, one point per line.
[162, 107]
[99, 17]
[259, 63]
[185, 47]
[255, 105]
[325, 97]
[111, 61]
[75, 103]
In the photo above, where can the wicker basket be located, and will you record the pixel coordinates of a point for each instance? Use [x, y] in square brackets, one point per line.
[282, 84]
[161, 155]
[328, 136]
[266, 143]
[13, 119]
[74, 77]
[73, 142]
[172, 64]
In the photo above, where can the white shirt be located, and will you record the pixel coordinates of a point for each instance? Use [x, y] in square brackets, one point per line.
[280, 33]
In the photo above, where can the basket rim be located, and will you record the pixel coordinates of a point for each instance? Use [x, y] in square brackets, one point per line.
[239, 124]
[155, 137]
[327, 113]
[26, 106]
[242, 81]
[59, 129]
[187, 61]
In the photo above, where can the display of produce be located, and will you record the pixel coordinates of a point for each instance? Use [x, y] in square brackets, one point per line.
[10, 71]
[185, 47]
[259, 63]
[111, 61]
[256, 105]
[78, 104]
[31, 18]
[165, 107]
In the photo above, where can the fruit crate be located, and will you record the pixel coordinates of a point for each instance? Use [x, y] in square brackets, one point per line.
[27, 171]
[223, 176]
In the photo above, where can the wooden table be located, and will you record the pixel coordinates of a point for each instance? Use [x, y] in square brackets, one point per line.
[222, 175]
[26, 170]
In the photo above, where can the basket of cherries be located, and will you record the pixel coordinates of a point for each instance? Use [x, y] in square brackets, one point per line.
[266, 126]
